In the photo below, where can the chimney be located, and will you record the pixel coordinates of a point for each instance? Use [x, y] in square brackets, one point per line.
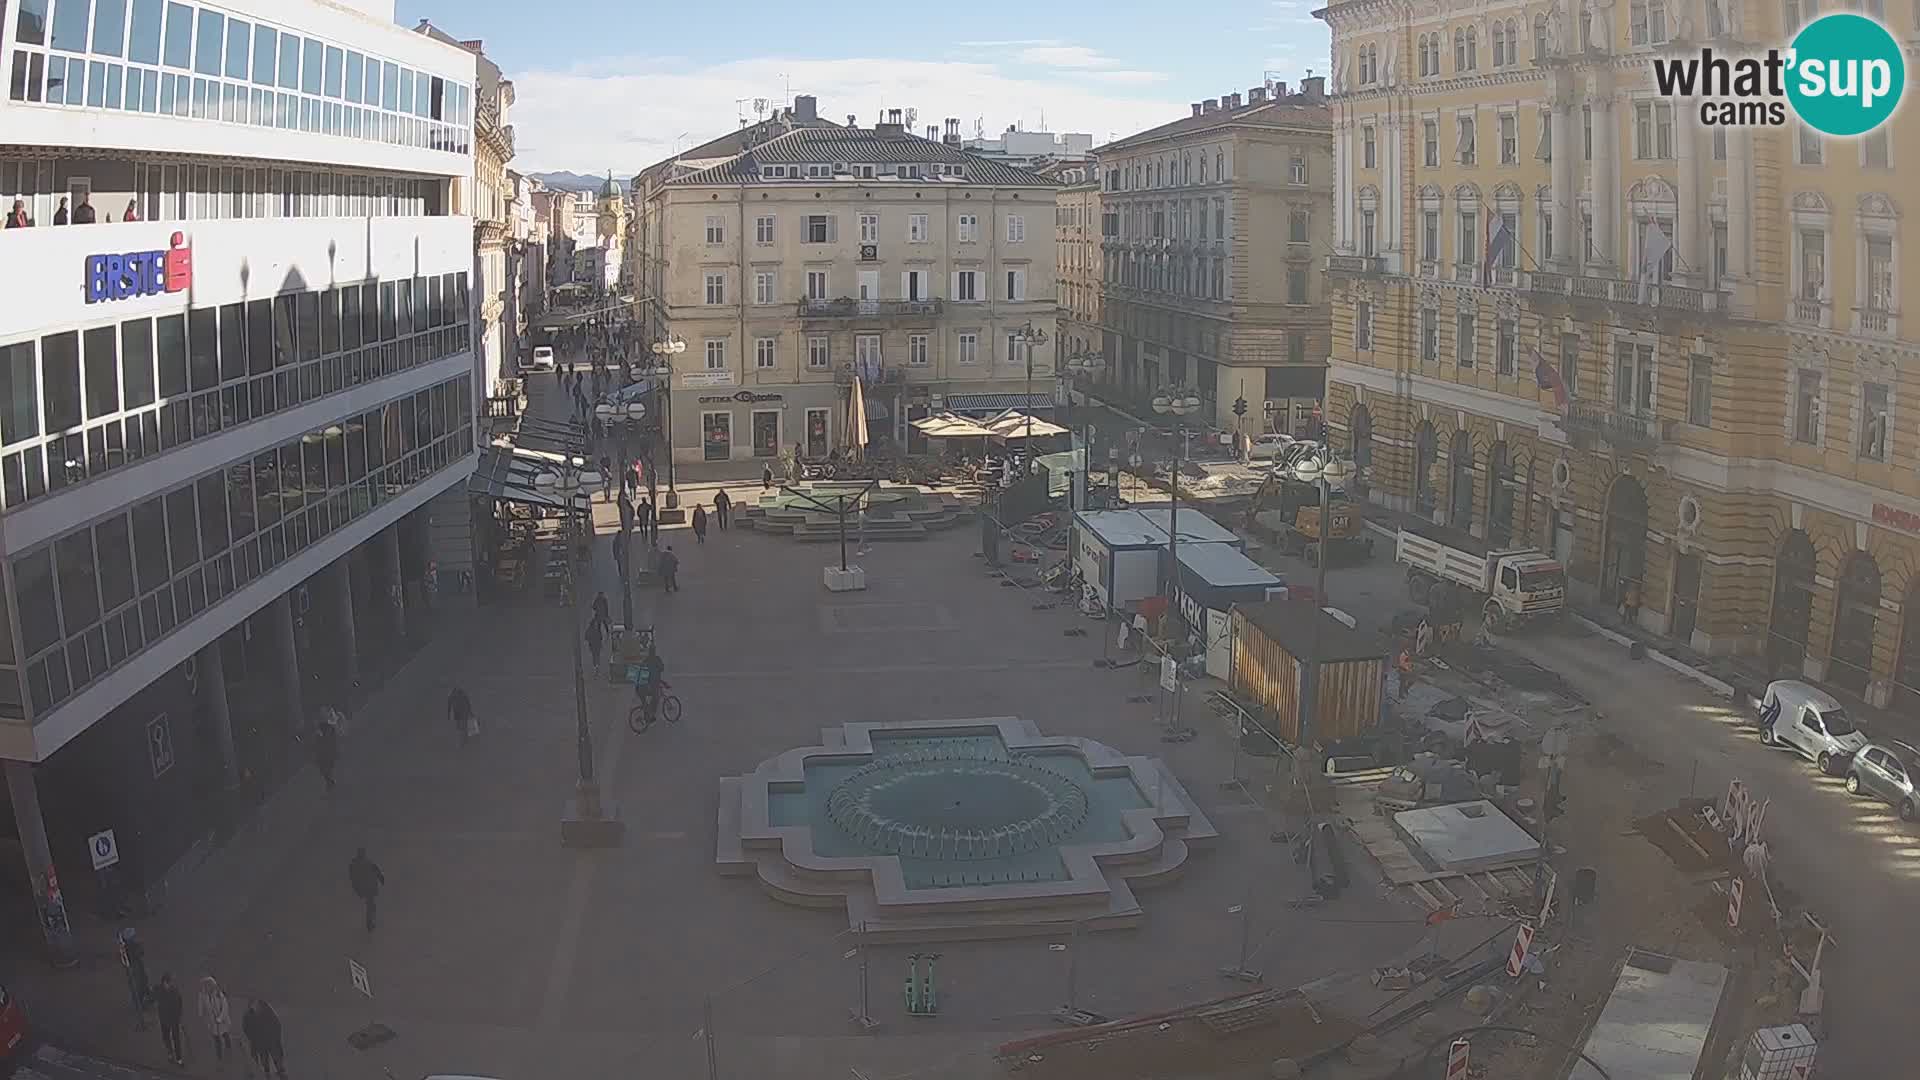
[1256, 95]
[1279, 90]
[1196, 108]
[892, 125]
[952, 137]
[1236, 101]
[804, 106]
[1315, 88]
[852, 121]
[933, 132]
[1208, 105]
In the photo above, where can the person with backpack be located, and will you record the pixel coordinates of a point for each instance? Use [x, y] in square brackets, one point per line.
[366, 877]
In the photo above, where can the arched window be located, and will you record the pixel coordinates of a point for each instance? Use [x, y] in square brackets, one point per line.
[1473, 54]
[1459, 50]
[1499, 36]
[1539, 37]
[1513, 42]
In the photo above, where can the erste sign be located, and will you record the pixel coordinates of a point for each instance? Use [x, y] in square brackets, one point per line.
[140, 273]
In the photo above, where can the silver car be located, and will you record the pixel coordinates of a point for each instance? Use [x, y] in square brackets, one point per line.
[1887, 771]
[1810, 721]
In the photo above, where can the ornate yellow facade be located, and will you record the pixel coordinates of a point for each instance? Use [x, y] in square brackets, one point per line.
[1740, 444]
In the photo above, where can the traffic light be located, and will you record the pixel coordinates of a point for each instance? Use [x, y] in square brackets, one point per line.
[1240, 406]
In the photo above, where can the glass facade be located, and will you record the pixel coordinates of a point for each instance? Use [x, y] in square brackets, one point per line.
[163, 188]
[98, 595]
[199, 62]
[77, 403]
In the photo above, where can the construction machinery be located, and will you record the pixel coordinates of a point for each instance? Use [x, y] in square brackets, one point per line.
[1288, 509]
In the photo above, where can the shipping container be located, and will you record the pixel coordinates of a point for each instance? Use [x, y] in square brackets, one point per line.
[1279, 645]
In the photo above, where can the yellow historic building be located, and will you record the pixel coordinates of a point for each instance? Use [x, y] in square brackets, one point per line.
[1077, 256]
[1741, 434]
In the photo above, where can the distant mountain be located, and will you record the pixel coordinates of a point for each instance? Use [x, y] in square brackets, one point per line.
[573, 181]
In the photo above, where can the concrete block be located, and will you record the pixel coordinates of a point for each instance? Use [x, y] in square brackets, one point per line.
[852, 579]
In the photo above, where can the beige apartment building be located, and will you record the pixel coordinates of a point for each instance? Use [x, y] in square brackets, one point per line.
[1077, 256]
[1739, 446]
[826, 253]
[1214, 239]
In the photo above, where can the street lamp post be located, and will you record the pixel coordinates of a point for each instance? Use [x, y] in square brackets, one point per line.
[1030, 336]
[1179, 404]
[665, 350]
[587, 823]
[624, 417]
[1084, 365]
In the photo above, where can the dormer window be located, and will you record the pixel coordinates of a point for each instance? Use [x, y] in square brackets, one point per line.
[773, 172]
[863, 172]
[907, 172]
[819, 172]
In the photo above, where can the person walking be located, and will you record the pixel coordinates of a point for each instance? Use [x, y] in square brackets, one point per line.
[366, 877]
[326, 746]
[700, 524]
[766, 477]
[167, 1003]
[217, 1014]
[669, 570]
[723, 510]
[133, 957]
[261, 1026]
[649, 528]
[606, 478]
[596, 638]
[460, 711]
[602, 612]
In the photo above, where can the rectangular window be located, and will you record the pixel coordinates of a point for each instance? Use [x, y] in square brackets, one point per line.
[1467, 251]
[763, 353]
[1875, 401]
[143, 38]
[102, 371]
[763, 229]
[869, 228]
[967, 349]
[1586, 132]
[1879, 298]
[178, 47]
[819, 353]
[763, 292]
[1811, 151]
[917, 350]
[1368, 234]
[1464, 149]
[170, 332]
[1016, 285]
[356, 79]
[1363, 325]
[967, 228]
[60, 381]
[966, 285]
[1296, 285]
[1430, 143]
[1509, 139]
[1368, 159]
[716, 288]
[136, 362]
[1506, 347]
[109, 27]
[1016, 229]
[331, 72]
[1297, 227]
[20, 405]
[1430, 235]
[716, 354]
[816, 284]
[1429, 335]
[1633, 378]
[1873, 150]
[289, 62]
[266, 46]
[70, 26]
[716, 231]
[1296, 169]
[1463, 339]
[1700, 391]
[917, 228]
[1806, 408]
[818, 229]
[1570, 363]
[1813, 264]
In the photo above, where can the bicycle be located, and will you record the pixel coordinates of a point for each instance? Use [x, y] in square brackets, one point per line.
[639, 718]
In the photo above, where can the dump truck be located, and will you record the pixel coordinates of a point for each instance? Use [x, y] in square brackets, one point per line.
[1289, 509]
[1448, 569]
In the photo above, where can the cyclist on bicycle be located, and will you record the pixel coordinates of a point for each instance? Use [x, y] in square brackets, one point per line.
[649, 680]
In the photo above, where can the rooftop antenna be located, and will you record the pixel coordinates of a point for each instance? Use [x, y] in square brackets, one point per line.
[1043, 119]
[786, 87]
[979, 127]
[760, 108]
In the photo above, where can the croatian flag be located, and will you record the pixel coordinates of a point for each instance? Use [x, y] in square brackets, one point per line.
[1497, 245]
[1548, 377]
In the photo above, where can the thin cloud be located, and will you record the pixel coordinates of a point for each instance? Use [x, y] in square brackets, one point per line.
[1128, 78]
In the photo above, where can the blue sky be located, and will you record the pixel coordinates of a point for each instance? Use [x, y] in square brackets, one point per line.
[606, 84]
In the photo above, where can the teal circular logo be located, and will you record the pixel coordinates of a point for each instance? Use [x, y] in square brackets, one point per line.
[1846, 75]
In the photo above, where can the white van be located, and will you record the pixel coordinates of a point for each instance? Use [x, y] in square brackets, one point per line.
[543, 358]
[1809, 721]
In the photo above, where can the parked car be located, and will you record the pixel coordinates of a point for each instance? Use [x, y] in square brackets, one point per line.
[1810, 721]
[543, 358]
[1886, 770]
[1269, 446]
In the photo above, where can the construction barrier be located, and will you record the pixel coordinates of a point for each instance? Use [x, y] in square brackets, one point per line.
[1457, 1060]
[1522, 942]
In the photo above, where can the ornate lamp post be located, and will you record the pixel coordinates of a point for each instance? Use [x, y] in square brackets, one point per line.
[587, 823]
[664, 351]
[1030, 336]
[624, 418]
[1084, 365]
[1178, 404]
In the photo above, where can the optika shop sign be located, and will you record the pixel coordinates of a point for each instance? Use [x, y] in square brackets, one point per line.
[1843, 75]
[140, 273]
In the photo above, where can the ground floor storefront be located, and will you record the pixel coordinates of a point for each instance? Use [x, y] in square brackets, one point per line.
[1807, 575]
[1284, 397]
[765, 421]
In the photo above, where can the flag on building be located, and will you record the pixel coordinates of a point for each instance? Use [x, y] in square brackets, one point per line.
[1499, 244]
[1654, 247]
[1548, 377]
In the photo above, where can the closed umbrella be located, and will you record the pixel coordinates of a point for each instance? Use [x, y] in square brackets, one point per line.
[857, 419]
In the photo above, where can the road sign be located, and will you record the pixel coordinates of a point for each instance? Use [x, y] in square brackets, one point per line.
[1169, 674]
[1517, 960]
[1736, 891]
[1457, 1060]
[359, 975]
[104, 849]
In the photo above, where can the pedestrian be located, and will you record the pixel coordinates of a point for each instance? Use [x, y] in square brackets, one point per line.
[17, 217]
[606, 478]
[601, 610]
[766, 477]
[217, 1014]
[460, 711]
[1404, 663]
[723, 510]
[669, 570]
[326, 746]
[626, 511]
[649, 526]
[366, 878]
[133, 957]
[167, 1003]
[60, 215]
[84, 213]
[261, 1026]
[133, 211]
[700, 524]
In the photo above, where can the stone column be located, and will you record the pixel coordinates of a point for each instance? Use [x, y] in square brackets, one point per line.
[210, 685]
[1606, 185]
[277, 620]
[337, 591]
[48, 899]
[392, 584]
[1565, 208]
[1689, 217]
[1342, 171]
[1392, 217]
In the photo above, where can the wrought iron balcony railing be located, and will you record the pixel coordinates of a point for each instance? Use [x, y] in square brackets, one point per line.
[867, 309]
[1624, 430]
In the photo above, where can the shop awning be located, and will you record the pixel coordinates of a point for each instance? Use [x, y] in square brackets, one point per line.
[1013, 424]
[988, 404]
[949, 426]
[508, 473]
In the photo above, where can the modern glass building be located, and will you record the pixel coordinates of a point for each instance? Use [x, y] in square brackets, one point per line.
[235, 366]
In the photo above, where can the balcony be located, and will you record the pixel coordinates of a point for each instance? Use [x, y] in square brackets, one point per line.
[1810, 312]
[889, 376]
[1364, 265]
[1875, 320]
[1588, 424]
[847, 308]
[1665, 296]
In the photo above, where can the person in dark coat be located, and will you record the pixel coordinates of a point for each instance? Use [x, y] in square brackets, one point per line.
[167, 1003]
[366, 877]
[60, 215]
[460, 711]
[17, 217]
[700, 524]
[326, 748]
[766, 477]
[649, 528]
[723, 510]
[84, 213]
[133, 957]
[669, 570]
[261, 1026]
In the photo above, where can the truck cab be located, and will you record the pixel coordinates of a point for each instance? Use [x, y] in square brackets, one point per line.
[1529, 585]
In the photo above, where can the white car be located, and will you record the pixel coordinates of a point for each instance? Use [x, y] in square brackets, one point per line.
[1810, 722]
[543, 358]
[1269, 446]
